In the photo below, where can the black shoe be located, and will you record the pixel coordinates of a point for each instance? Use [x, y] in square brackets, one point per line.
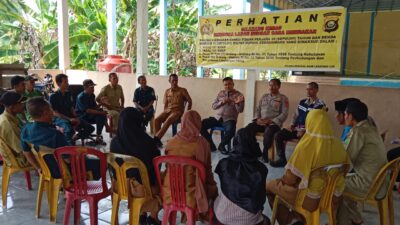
[213, 148]
[278, 163]
[143, 219]
[152, 221]
[223, 150]
[158, 142]
[265, 159]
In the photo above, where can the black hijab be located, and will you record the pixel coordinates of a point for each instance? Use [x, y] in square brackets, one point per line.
[242, 176]
[132, 140]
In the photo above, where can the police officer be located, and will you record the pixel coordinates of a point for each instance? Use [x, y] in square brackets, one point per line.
[271, 112]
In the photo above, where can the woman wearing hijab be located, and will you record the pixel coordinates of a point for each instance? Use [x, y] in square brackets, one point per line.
[317, 148]
[242, 179]
[189, 143]
[132, 140]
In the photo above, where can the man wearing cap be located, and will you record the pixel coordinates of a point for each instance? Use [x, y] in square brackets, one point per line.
[10, 127]
[64, 113]
[30, 90]
[88, 110]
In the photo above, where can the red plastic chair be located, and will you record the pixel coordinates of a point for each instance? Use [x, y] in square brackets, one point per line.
[81, 188]
[175, 165]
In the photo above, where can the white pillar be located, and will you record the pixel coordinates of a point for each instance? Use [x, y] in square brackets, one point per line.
[252, 75]
[242, 72]
[200, 9]
[111, 27]
[63, 35]
[142, 34]
[163, 38]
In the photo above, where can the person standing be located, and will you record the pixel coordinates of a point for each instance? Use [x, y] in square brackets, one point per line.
[271, 112]
[297, 128]
[143, 99]
[175, 99]
[112, 98]
[229, 103]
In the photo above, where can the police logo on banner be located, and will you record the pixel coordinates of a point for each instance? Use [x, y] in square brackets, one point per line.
[331, 21]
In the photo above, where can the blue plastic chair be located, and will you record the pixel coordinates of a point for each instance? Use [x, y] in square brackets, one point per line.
[221, 129]
[175, 127]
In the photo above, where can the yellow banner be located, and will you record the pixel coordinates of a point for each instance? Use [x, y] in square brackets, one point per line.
[306, 39]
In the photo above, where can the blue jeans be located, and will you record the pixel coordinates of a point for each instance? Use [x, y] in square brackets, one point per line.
[84, 129]
[229, 127]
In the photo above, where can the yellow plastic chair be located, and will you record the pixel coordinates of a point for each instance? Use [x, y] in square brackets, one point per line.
[384, 204]
[47, 183]
[11, 166]
[121, 187]
[331, 175]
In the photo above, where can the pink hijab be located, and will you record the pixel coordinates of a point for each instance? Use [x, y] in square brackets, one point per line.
[190, 132]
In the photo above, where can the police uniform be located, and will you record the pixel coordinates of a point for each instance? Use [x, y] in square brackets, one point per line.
[275, 108]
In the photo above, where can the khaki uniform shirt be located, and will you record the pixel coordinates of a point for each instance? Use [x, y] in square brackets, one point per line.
[174, 100]
[10, 134]
[229, 111]
[367, 154]
[275, 108]
[114, 95]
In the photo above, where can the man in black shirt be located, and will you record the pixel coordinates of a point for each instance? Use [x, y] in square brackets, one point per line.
[64, 113]
[143, 99]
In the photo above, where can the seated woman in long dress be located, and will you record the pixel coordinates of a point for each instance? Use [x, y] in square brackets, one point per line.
[242, 178]
[189, 143]
[132, 140]
[318, 147]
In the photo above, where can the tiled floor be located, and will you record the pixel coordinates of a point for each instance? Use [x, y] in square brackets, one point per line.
[21, 202]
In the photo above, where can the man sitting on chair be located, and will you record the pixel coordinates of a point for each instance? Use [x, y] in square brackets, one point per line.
[43, 133]
[367, 153]
[229, 103]
[10, 126]
[89, 111]
[174, 106]
[65, 116]
[297, 129]
[112, 98]
[143, 99]
[271, 112]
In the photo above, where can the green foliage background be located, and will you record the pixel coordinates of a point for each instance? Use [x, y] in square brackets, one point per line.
[29, 34]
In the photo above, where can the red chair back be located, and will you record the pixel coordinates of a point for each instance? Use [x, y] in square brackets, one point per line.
[175, 166]
[76, 157]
